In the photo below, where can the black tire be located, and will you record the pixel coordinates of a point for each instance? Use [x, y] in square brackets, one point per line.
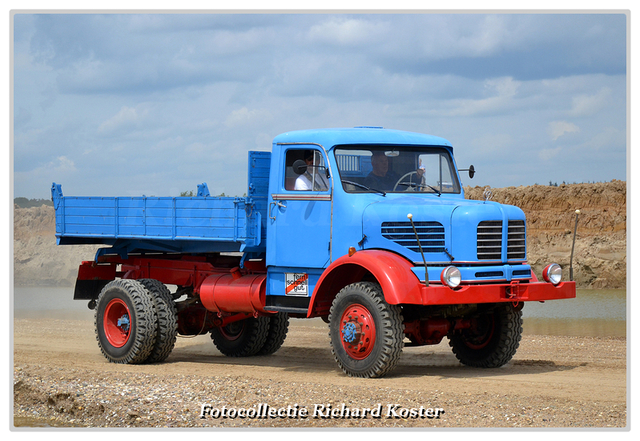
[167, 321]
[366, 332]
[243, 338]
[125, 322]
[277, 333]
[493, 341]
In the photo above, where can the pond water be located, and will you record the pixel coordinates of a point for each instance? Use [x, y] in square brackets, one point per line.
[593, 313]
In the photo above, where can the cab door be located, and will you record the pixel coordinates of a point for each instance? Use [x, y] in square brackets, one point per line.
[299, 224]
[298, 228]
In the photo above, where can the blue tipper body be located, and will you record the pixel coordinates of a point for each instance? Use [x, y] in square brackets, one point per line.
[197, 224]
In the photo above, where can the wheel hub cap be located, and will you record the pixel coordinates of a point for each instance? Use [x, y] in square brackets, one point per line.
[117, 323]
[358, 331]
[123, 323]
[482, 332]
[349, 332]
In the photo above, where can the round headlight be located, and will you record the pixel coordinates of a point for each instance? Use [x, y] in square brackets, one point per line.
[552, 273]
[451, 276]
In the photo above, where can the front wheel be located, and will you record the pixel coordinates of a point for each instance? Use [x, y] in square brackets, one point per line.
[366, 332]
[492, 340]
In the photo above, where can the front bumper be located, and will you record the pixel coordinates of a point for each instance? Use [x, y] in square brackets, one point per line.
[437, 294]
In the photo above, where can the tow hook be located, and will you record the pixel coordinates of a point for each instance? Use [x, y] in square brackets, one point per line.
[512, 291]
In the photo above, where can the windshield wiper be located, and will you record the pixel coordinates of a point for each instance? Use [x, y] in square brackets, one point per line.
[363, 187]
[411, 184]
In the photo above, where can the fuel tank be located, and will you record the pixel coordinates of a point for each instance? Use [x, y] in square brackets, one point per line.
[234, 292]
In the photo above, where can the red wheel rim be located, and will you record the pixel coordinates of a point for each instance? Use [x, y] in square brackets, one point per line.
[482, 335]
[117, 323]
[233, 331]
[357, 332]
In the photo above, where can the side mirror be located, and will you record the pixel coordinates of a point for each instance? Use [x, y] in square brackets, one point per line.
[471, 170]
[299, 167]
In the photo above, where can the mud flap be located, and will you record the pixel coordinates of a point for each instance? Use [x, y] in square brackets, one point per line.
[91, 279]
[88, 289]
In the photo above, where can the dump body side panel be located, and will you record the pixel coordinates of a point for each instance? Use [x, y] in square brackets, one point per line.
[106, 220]
[166, 224]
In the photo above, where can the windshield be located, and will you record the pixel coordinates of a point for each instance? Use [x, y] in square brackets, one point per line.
[396, 169]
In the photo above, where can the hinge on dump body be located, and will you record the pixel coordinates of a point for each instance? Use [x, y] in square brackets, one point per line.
[203, 190]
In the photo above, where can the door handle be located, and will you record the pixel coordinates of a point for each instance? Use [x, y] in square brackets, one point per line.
[279, 204]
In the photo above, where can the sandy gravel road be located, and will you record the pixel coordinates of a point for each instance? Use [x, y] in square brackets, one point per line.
[61, 379]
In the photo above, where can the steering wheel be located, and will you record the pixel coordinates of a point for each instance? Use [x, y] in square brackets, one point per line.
[402, 179]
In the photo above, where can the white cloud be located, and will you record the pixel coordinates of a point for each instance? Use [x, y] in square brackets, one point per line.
[196, 148]
[56, 167]
[346, 31]
[584, 105]
[493, 143]
[62, 164]
[490, 35]
[244, 116]
[547, 154]
[556, 129]
[503, 92]
[606, 140]
[211, 84]
[167, 145]
[126, 118]
[504, 87]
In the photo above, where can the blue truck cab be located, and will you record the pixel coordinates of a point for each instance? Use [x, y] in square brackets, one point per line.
[310, 229]
[365, 227]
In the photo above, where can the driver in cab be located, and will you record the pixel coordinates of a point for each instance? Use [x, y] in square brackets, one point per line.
[381, 178]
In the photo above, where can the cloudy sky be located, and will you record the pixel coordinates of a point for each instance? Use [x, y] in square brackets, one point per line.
[132, 104]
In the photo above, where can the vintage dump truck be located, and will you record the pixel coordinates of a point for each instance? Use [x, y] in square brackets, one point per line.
[365, 227]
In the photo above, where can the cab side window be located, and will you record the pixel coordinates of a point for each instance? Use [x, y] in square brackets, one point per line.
[305, 171]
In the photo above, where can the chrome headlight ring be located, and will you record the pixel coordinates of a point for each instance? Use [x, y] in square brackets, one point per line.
[552, 273]
[451, 277]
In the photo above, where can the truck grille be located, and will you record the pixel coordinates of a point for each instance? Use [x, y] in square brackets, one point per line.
[490, 240]
[517, 240]
[431, 235]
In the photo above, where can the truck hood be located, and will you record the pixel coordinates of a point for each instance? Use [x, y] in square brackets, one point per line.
[448, 228]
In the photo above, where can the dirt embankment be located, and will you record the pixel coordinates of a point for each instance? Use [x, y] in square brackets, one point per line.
[37, 260]
[600, 256]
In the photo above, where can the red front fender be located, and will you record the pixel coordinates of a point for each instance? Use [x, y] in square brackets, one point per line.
[393, 272]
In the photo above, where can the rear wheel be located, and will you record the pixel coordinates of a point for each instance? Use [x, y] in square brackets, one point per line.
[276, 334]
[167, 322]
[125, 322]
[366, 332]
[492, 340]
[243, 338]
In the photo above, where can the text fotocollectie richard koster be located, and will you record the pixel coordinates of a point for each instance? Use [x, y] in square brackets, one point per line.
[320, 411]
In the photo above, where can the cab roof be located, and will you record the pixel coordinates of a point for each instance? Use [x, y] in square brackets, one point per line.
[329, 138]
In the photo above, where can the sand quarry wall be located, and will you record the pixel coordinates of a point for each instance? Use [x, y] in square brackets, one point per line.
[600, 256]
